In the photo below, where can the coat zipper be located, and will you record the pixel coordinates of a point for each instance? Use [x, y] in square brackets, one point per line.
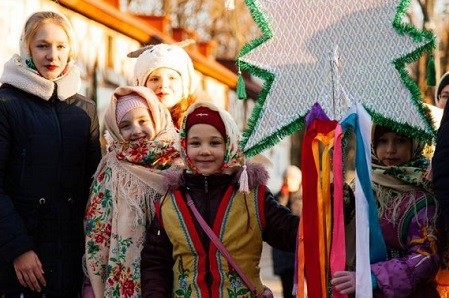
[23, 156]
[53, 102]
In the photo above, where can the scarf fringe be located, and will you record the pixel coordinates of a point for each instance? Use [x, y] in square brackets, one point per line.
[127, 187]
[389, 203]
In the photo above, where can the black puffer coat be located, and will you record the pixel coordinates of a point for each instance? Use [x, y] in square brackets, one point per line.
[49, 150]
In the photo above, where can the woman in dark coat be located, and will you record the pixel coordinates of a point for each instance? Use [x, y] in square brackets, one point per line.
[49, 149]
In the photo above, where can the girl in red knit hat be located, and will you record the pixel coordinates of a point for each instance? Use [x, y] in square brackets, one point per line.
[217, 191]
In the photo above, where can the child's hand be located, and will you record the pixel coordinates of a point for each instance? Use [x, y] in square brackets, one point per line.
[344, 281]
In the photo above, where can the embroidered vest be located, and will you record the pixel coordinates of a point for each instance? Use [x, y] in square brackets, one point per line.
[243, 241]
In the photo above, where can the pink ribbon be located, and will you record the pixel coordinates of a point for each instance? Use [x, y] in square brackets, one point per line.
[338, 248]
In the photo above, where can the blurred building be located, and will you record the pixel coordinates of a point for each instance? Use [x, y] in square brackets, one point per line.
[106, 33]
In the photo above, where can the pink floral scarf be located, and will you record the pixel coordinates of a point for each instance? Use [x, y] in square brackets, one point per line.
[121, 204]
[120, 208]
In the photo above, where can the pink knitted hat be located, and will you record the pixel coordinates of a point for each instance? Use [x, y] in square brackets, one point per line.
[127, 103]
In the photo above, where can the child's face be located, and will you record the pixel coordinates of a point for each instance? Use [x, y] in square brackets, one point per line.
[442, 98]
[166, 83]
[205, 148]
[394, 149]
[136, 124]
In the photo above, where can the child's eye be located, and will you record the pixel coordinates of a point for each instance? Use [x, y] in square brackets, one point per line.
[61, 46]
[194, 143]
[215, 143]
[153, 79]
[123, 126]
[402, 140]
[41, 46]
[382, 141]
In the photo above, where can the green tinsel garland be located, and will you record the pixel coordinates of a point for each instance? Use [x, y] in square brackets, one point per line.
[400, 64]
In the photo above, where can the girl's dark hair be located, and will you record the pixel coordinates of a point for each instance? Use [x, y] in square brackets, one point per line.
[380, 131]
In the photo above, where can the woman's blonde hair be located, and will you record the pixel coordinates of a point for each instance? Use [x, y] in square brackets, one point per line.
[36, 20]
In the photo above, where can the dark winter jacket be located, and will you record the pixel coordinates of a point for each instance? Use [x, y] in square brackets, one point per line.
[49, 149]
[440, 168]
[207, 192]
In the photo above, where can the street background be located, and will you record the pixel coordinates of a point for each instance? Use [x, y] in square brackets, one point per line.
[266, 271]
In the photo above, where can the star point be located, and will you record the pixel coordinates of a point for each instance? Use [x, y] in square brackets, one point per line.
[296, 53]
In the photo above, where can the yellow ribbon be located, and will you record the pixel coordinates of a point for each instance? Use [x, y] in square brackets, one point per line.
[324, 203]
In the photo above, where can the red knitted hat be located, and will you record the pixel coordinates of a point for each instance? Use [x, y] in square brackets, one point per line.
[204, 115]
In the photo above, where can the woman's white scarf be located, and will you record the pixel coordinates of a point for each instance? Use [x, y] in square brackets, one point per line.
[17, 74]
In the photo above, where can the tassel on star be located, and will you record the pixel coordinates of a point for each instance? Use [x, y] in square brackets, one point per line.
[430, 72]
[241, 88]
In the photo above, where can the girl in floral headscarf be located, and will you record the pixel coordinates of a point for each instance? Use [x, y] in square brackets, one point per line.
[179, 260]
[128, 180]
[407, 214]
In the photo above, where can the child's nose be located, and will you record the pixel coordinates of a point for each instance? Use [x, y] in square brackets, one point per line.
[391, 147]
[164, 82]
[136, 129]
[205, 150]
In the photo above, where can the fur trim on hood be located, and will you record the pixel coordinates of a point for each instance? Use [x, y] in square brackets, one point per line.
[257, 175]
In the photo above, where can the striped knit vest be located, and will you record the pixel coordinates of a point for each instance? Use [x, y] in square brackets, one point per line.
[238, 224]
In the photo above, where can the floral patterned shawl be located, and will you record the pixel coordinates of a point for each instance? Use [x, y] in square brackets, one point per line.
[121, 204]
[394, 182]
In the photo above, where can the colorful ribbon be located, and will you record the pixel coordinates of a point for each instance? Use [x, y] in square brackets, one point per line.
[338, 250]
[321, 236]
[315, 239]
[367, 222]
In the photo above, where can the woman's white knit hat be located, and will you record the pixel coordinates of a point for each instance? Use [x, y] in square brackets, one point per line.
[168, 56]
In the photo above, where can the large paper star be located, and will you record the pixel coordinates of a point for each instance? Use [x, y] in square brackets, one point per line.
[294, 57]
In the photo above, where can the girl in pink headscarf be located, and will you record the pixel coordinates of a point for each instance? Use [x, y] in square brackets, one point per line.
[140, 139]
